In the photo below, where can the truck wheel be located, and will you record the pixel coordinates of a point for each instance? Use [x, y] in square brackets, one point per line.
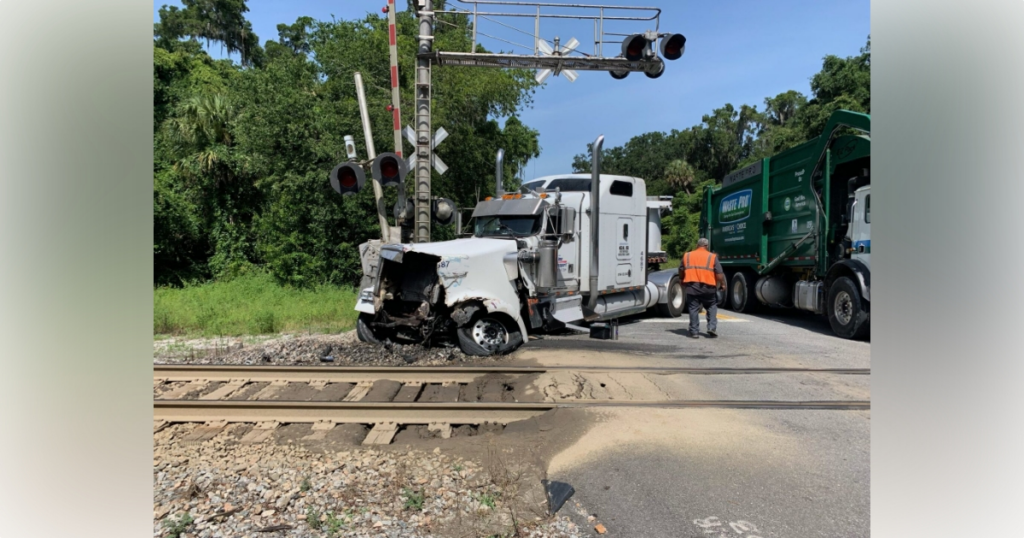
[846, 312]
[673, 308]
[488, 335]
[363, 330]
[741, 292]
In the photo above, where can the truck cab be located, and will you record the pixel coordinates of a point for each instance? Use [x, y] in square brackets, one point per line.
[537, 260]
[860, 230]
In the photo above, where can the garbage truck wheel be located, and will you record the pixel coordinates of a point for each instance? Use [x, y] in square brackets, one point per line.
[489, 334]
[741, 292]
[846, 310]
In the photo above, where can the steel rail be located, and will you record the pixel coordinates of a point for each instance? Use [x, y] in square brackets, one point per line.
[426, 374]
[429, 412]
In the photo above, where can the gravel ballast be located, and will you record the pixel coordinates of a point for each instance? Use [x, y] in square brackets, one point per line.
[232, 490]
[309, 350]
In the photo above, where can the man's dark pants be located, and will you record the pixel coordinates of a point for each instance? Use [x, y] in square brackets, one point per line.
[709, 301]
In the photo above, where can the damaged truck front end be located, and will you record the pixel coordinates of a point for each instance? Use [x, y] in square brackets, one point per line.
[427, 293]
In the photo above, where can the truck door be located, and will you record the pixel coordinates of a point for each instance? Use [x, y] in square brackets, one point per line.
[861, 226]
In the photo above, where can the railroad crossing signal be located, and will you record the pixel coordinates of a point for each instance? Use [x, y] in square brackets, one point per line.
[348, 178]
[639, 47]
[389, 169]
[436, 161]
[443, 210]
[546, 50]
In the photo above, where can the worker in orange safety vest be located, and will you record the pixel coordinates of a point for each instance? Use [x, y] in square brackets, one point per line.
[702, 276]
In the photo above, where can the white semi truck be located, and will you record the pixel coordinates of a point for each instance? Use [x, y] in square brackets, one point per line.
[538, 260]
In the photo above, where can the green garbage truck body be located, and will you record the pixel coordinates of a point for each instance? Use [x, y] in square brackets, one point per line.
[793, 230]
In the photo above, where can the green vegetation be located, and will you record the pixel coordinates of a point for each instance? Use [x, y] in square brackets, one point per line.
[177, 526]
[335, 524]
[331, 524]
[313, 518]
[252, 303]
[242, 151]
[413, 499]
[487, 500]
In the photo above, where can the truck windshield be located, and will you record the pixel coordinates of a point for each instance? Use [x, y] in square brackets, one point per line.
[510, 226]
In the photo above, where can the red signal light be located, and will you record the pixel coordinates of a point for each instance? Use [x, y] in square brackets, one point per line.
[347, 178]
[673, 46]
[389, 169]
[633, 47]
[384, 9]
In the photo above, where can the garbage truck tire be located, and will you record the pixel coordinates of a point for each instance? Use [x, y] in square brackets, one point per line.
[846, 310]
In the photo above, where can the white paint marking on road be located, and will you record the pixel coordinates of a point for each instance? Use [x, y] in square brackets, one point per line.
[712, 526]
[687, 320]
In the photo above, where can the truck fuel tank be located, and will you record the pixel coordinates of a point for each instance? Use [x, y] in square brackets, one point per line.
[547, 265]
[773, 291]
[808, 296]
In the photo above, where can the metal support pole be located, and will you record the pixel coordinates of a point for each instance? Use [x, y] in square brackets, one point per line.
[396, 102]
[423, 127]
[536, 33]
[473, 48]
[371, 154]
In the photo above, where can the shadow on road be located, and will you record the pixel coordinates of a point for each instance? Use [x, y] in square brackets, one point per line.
[801, 319]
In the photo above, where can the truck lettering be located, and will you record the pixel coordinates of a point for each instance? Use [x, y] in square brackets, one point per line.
[735, 207]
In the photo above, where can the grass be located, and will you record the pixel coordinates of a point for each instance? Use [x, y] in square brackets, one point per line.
[487, 500]
[672, 263]
[413, 500]
[249, 305]
[332, 524]
[177, 526]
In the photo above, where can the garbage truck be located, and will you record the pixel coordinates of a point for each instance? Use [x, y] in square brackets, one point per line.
[538, 260]
[794, 230]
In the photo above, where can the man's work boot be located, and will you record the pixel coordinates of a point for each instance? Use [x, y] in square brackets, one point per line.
[712, 334]
[693, 335]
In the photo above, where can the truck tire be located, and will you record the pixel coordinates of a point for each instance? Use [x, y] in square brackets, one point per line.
[363, 330]
[489, 334]
[723, 295]
[741, 292]
[673, 307]
[846, 310]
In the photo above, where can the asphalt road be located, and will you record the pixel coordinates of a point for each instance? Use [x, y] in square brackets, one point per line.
[713, 473]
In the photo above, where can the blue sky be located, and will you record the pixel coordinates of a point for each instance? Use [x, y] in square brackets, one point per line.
[737, 51]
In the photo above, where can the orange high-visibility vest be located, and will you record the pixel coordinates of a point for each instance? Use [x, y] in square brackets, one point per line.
[699, 266]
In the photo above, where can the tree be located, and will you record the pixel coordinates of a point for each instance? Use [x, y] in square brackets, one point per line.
[221, 21]
[680, 175]
[242, 154]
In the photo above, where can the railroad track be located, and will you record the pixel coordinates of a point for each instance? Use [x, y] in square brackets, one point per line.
[388, 398]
